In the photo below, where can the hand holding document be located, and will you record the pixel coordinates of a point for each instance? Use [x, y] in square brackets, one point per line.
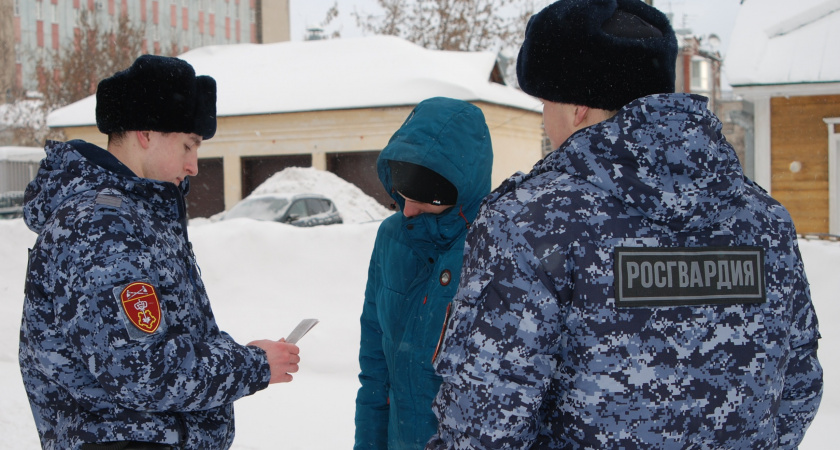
[300, 330]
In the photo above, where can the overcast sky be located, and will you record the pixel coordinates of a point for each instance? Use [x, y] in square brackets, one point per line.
[703, 17]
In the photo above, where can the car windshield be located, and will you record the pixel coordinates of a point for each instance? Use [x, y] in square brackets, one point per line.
[263, 208]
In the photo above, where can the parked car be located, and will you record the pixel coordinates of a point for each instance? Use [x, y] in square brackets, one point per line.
[302, 210]
[11, 205]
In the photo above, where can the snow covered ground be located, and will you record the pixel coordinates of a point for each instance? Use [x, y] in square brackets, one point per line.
[264, 277]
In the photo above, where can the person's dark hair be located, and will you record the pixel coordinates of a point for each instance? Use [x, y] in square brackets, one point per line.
[597, 53]
[117, 137]
[422, 184]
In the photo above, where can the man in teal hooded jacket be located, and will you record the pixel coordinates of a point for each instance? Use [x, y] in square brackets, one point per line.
[437, 169]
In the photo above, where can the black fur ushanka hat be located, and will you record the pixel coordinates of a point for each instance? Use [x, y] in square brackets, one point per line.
[157, 93]
[597, 53]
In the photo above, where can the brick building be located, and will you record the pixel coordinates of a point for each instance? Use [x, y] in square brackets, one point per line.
[36, 29]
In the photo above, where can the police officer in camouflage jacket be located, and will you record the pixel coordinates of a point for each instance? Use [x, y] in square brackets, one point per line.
[118, 346]
[634, 290]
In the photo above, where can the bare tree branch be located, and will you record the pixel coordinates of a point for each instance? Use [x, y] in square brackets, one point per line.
[458, 25]
[7, 52]
[73, 73]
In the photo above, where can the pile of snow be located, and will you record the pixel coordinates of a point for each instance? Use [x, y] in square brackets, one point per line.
[354, 205]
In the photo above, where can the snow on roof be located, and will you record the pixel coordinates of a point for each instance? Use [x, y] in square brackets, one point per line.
[365, 72]
[784, 42]
[22, 154]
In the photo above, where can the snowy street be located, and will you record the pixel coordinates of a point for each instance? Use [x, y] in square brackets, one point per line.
[264, 277]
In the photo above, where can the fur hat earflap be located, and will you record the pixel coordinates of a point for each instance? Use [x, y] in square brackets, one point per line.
[157, 93]
[597, 53]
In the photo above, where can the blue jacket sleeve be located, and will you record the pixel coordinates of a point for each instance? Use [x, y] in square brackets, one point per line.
[804, 376]
[174, 369]
[372, 399]
[497, 358]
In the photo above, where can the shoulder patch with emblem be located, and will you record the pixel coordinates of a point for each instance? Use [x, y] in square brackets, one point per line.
[141, 306]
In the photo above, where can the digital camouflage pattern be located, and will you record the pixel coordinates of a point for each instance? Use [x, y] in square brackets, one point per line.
[118, 341]
[538, 354]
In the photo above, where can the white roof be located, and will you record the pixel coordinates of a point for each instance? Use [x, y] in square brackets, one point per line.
[23, 154]
[784, 42]
[375, 71]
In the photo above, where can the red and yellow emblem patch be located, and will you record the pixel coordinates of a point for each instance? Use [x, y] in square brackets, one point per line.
[141, 305]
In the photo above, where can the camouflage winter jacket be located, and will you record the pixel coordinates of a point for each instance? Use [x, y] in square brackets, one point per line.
[118, 341]
[634, 290]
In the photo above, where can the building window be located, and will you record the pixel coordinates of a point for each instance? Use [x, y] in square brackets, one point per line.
[54, 11]
[55, 37]
[699, 75]
[17, 8]
[39, 33]
[39, 10]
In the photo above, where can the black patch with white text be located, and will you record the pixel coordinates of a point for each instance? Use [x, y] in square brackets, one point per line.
[688, 276]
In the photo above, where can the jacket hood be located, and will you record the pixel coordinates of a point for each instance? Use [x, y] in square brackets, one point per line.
[663, 155]
[451, 138]
[76, 167]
